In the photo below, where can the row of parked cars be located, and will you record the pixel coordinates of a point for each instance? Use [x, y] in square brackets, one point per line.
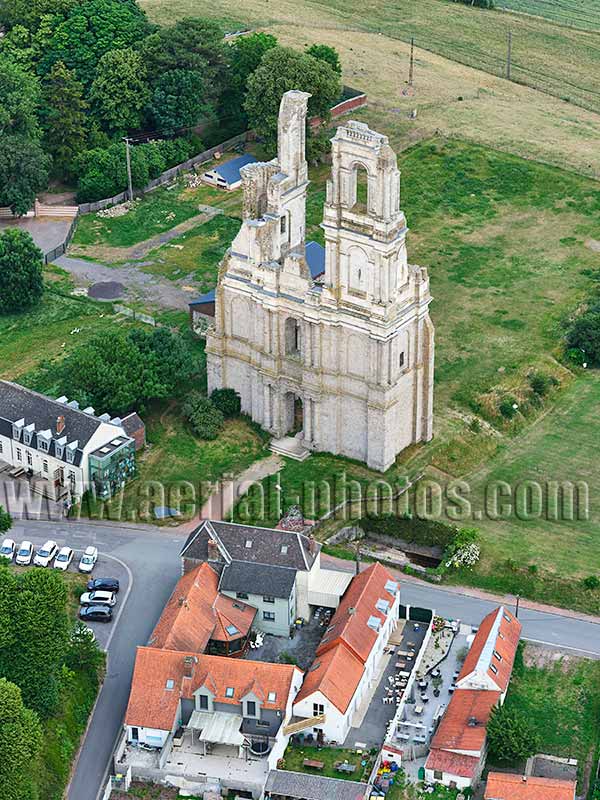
[101, 596]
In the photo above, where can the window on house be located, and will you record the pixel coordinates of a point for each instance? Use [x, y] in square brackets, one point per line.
[170, 684]
[263, 723]
[494, 669]
[284, 549]
[203, 702]
[401, 359]
[72, 480]
[29, 459]
[229, 691]
[19, 454]
[241, 595]
[271, 697]
[248, 543]
[267, 598]
[497, 655]
[438, 774]
[506, 617]
[268, 616]
[45, 466]
[1, 447]
[43, 445]
[250, 708]
[318, 709]
[282, 224]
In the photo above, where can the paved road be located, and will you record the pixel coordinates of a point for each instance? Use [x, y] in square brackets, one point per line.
[152, 556]
[153, 559]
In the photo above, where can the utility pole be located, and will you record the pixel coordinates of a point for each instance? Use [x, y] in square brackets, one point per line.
[508, 55]
[517, 606]
[411, 68]
[130, 188]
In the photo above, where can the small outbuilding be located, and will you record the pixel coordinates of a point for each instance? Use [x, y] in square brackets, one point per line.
[227, 175]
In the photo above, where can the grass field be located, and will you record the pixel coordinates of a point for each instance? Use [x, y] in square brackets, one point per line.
[563, 697]
[584, 14]
[295, 755]
[372, 43]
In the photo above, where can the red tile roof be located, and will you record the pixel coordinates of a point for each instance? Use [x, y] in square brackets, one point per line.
[498, 635]
[153, 705]
[349, 624]
[502, 786]
[463, 726]
[197, 612]
[336, 673]
[452, 763]
[339, 662]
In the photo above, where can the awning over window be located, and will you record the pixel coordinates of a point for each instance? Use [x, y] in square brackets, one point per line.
[218, 727]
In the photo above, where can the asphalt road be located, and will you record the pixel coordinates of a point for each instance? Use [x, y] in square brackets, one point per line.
[152, 557]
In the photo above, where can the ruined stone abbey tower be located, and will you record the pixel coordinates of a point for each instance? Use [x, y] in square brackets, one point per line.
[342, 359]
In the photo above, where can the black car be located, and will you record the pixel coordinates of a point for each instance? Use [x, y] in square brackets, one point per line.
[96, 613]
[103, 584]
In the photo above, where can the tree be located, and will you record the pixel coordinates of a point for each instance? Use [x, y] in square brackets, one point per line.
[511, 735]
[120, 90]
[326, 53]
[584, 334]
[205, 419]
[90, 30]
[19, 99]
[64, 117]
[20, 743]
[28, 13]
[227, 401]
[119, 371]
[245, 54]
[5, 520]
[21, 263]
[83, 652]
[23, 172]
[178, 100]
[282, 69]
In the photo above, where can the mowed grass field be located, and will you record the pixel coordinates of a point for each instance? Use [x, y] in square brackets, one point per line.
[584, 14]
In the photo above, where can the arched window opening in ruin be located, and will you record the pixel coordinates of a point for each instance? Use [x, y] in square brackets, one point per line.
[293, 337]
[361, 189]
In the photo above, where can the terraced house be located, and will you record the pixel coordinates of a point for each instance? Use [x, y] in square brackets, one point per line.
[60, 449]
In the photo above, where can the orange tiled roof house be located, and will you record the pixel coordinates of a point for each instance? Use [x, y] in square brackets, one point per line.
[459, 745]
[506, 786]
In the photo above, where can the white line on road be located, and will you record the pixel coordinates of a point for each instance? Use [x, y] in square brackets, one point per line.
[594, 653]
[121, 605]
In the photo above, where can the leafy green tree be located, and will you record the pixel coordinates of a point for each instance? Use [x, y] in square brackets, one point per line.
[90, 30]
[227, 401]
[512, 736]
[19, 99]
[20, 743]
[280, 70]
[29, 13]
[584, 334]
[24, 171]
[326, 53]
[177, 100]
[64, 117]
[33, 658]
[83, 652]
[205, 419]
[21, 263]
[245, 54]
[119, 91]
[122, 370]
[5, 520]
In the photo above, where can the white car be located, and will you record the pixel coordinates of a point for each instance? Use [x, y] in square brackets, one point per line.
[8, 549]
[63, 559]
[24, 554]
[98, 598]
[88, 559]
[45, 554]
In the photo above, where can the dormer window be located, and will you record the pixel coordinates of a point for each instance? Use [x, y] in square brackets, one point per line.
[272, 697]
[28, 433]
[17, 428]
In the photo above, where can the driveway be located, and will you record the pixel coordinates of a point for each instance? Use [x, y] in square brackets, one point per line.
[47, 232]
[152, 557]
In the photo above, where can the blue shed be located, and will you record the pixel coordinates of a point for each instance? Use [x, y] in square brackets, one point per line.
[227, 175]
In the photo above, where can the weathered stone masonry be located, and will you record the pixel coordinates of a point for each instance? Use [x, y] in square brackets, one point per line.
[352, 351]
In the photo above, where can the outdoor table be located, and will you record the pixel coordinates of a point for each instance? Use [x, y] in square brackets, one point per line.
[404, 674]
[400, 664]
[423, 684]
[418, 710]
[424, 698]
[309, 762]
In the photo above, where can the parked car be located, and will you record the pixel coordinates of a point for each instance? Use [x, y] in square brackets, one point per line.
[8, 549]
[95, 613]
[98, 598]
[45, 554]
[106, 584]
[88, 559]
[24, 554]
[64, 558]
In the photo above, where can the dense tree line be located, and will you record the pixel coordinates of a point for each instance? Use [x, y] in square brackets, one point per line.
[78, 75]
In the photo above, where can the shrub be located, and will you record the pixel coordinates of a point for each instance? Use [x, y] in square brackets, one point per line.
[540, 383]
[508, 407]
[5, 520]
[511, 735]
[21, 264]
[205, 419]
[584, 335]
[227, 401]
[592, 582]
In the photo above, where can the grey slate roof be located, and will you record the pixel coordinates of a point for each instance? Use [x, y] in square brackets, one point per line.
[269, 546]
[257, 579]
[315, 258]
[209, 297]
[301, 786]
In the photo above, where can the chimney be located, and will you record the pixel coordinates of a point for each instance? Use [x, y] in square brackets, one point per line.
[60, 424]
[189, 662]
[213, 551]
[312, 545]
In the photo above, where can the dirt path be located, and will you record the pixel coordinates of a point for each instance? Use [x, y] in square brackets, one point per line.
[137, 251]
[151, 289]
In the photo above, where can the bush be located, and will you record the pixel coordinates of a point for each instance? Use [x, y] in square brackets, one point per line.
[584, 335]
[5, 520]
[512, 736]
[508, 407]
[21, 264]
[592, 582]
[540, 383]
[227, 401]
[205, 419]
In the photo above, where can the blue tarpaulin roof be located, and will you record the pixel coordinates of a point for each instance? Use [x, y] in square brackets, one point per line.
[209, 297]
[230, 170]
[315, 258]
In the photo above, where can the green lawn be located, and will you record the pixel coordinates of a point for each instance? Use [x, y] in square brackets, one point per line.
[296, 754]
[584, 14]
[563, 699]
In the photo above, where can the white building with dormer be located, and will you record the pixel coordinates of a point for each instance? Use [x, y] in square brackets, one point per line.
[342, 361]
